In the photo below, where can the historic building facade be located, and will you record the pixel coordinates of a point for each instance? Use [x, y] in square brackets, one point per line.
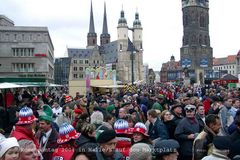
[116, 55]
[196, 53]
[26, 53]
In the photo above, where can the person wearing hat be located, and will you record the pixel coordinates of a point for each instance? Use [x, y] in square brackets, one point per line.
[111, 109]
[66, 142]
[106, 139]
[47, 135]
[76, 115]
[24, 128]
[9, 149]
[121, 128]
[140, 151]
[176, 110]
[166, 149]
[221, 148]
[140, 134]
[186, 131]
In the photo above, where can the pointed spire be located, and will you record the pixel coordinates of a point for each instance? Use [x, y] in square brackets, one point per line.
[105, 27]
[92, 36]
[105, 37]
[91, 25]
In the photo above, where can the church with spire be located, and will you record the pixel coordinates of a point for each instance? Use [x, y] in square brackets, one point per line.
[116, 55]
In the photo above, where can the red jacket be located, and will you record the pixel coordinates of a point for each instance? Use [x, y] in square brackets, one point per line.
[63, 152]
[123, 146]
[21, 133]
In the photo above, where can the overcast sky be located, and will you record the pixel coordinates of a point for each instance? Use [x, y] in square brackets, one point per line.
[68, 23]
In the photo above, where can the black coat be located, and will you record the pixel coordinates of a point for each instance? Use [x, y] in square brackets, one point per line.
[185, 128]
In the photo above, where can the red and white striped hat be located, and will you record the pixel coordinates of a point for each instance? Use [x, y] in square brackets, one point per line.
[140, 128]
[26, 116]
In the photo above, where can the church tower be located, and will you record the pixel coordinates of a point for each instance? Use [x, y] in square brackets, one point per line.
[92, 35]
[196, 52]
[137, 42]
[105, 36]
[122, 30]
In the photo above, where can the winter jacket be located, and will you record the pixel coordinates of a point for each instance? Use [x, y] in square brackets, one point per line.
[21, 133]
[158, 130]
[202, 145]
[185, 128]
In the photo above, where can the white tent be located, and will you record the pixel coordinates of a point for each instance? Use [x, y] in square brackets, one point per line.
[6, 85]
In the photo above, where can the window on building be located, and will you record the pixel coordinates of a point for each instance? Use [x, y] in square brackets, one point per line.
[86, 61]
[23, 52]
[81, 76]
[75, 76]
[75, 61]
[233, 66]
[75, 68]
[120, 47]
[229, 67]
[81, 61]
[23, 67]
[81, 68]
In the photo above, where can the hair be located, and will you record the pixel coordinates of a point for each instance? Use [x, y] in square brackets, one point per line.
[152, 113]
[108, 117]
[24, 143]
[87, 128]
[211, 119]
[163, 114]
[129, 118]
[64, 108]
[96, 117]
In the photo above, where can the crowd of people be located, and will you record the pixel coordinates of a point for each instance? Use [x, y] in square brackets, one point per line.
[161, 122]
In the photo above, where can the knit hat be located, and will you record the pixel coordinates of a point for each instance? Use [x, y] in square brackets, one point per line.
[46, 114]
[140, 151]
[160, 96]
[66, 133]
[163, 147]
[140, 128]
[121, 126]
[6, 144]
[78, 111]
[222, 142]
[106, 135]
[68, 99]
[26, 116]
[110, 108]
[158, 106]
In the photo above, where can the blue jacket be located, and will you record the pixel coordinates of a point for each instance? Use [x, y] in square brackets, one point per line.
[158, 130]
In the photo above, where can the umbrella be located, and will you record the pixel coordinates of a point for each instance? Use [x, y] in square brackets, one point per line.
[6, 85]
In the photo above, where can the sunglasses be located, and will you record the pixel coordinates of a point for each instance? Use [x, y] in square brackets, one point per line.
[190, 110]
